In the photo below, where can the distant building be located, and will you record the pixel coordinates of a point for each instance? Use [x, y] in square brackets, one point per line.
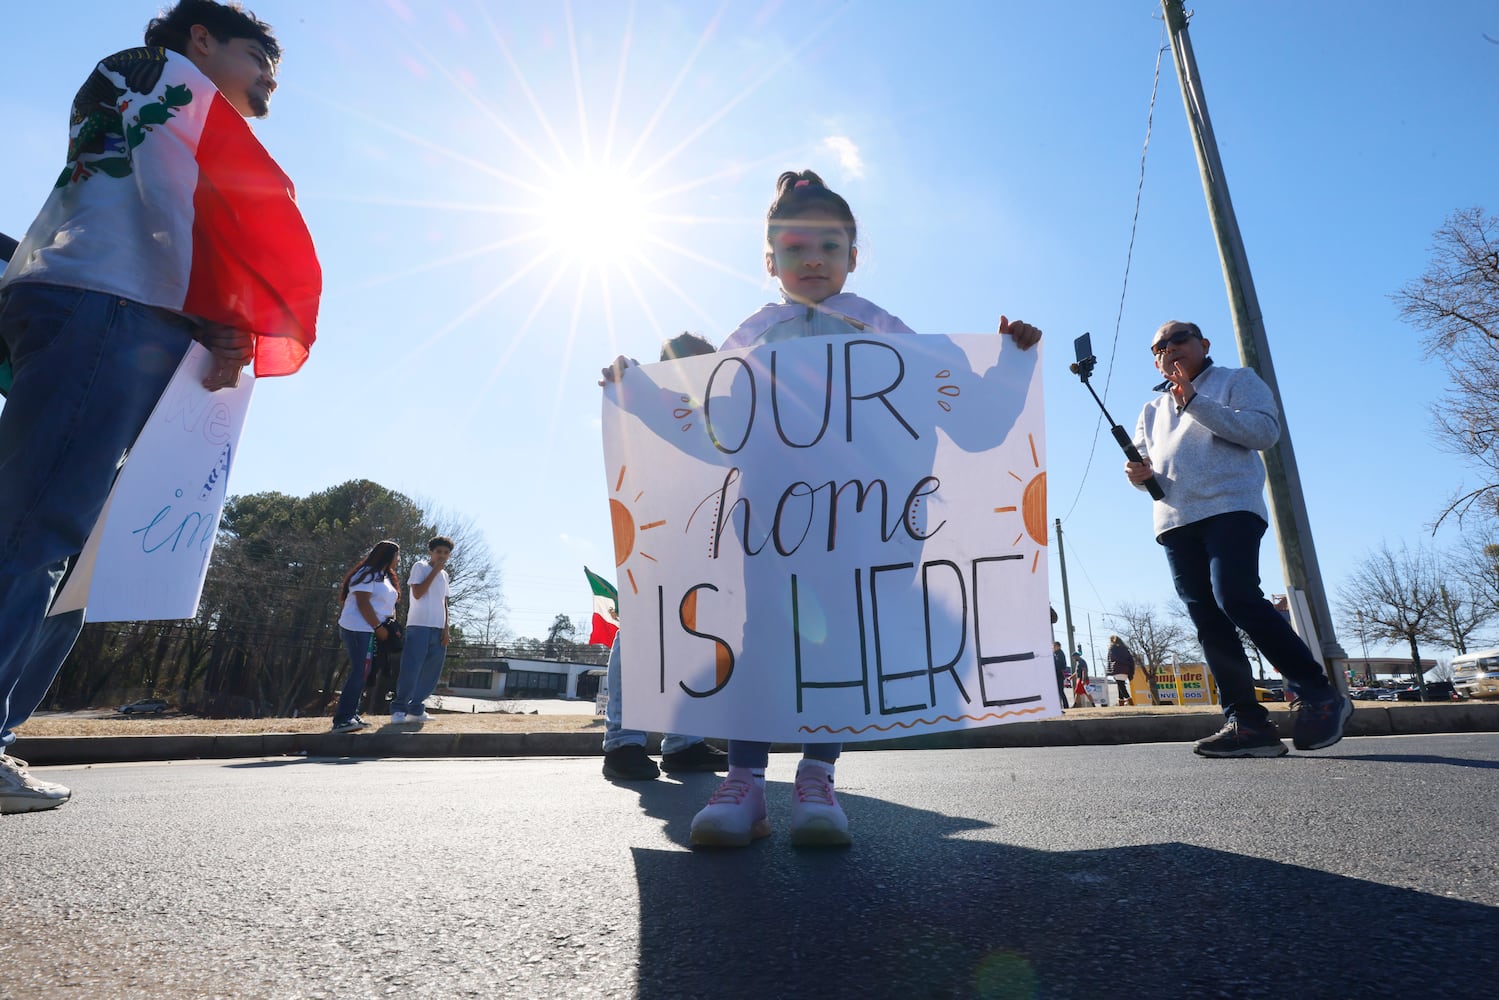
[1370, 669]
[495, 676]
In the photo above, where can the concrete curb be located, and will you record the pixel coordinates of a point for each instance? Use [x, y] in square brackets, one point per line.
[1075, 729]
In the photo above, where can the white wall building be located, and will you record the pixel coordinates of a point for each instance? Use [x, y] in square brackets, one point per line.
[512, 677]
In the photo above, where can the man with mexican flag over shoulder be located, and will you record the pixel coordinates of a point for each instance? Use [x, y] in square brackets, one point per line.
[169, 224]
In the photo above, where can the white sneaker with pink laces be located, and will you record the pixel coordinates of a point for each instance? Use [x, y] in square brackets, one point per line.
[734, 815]
[817, 820]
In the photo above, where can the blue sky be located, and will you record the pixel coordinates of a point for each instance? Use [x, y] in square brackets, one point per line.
[991, 151]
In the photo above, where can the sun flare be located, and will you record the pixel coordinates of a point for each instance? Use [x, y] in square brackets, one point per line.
[595, 215]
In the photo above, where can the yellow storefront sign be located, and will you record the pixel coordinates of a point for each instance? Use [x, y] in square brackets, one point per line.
[1187, 684]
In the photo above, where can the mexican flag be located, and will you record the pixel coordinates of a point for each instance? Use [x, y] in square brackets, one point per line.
[605, 609]
[169, 199]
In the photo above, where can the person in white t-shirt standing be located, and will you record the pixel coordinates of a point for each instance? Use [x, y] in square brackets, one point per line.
[426, 633]
[367, 598]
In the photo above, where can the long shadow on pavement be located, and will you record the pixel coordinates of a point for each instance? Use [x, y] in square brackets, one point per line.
[1422, 758]
[921, 907]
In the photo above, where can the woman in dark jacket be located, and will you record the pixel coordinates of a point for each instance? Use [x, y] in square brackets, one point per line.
[1121, 668]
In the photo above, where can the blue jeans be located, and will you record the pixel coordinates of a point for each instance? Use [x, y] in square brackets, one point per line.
[1215, 564]
[89, 369]
[357, 645]
[421, 666]
[614, 735]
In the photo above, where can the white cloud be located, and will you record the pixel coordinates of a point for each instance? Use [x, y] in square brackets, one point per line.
[578, 546]
[847, 153]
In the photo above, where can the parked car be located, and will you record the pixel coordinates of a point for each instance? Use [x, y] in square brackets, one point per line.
[146, 706]
[1435, 691]
[1266, 693]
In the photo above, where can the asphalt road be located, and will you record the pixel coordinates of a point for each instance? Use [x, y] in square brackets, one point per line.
[1367, 870]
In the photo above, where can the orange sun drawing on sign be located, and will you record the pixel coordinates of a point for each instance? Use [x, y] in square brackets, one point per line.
[622, 519]
[1032, 506]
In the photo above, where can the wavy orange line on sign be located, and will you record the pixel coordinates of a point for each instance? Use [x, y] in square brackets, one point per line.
[921, 722]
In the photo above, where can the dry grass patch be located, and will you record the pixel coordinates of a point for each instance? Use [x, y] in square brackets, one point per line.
[453, 722]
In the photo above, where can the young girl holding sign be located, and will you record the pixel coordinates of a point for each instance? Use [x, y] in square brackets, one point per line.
[811, 247]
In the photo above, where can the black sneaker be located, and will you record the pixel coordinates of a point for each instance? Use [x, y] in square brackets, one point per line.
[701, 756]
[1238, 739]
[1319, 723]
[630, 763]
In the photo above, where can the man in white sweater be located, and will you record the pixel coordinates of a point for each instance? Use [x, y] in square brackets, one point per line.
[1201, 440]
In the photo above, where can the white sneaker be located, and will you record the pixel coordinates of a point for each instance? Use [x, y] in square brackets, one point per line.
[421, 716]
[21, 792]
[734, 815]
[817, 820]
[396, 718]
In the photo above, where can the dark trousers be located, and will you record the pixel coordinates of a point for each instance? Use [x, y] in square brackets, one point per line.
[1215, 564]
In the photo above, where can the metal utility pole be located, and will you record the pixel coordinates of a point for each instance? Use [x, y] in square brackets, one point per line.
[1298, 556]
[1066, 597]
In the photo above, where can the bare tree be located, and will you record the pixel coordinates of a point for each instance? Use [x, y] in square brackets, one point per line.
[1459, 616]
[1399, 596]
[490, 622]
[1457, 302]
[1153, 635]
[1475, 563]
[476, 604]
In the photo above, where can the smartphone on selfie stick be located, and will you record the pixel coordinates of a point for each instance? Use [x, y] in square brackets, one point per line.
[1083, 369]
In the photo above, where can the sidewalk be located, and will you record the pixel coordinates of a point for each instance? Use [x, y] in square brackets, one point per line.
[1079, 727]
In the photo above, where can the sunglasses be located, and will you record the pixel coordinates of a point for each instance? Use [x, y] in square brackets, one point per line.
[1175, 340]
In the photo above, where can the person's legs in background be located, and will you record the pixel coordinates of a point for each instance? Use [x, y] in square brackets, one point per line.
[428, 674]
[417, 644]
[625, 758]
[357, 645]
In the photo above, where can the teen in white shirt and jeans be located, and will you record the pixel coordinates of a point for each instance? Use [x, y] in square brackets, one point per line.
[426, 633]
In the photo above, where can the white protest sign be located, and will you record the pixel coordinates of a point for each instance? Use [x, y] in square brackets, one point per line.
[148, 553]
[832, 539]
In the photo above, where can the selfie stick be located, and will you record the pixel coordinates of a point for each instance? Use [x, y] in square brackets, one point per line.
[1083, 368]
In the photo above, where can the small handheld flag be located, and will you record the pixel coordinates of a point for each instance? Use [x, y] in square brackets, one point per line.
[605, 609]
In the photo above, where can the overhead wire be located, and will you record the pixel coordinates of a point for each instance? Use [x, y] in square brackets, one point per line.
[1128, 261]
